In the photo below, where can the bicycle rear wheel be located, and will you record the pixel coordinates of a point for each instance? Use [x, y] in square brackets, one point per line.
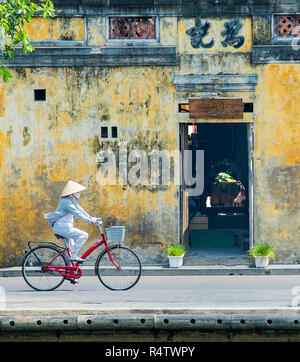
[126, 276]
[33, 268]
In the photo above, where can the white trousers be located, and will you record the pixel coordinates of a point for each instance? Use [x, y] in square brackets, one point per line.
[75, 237]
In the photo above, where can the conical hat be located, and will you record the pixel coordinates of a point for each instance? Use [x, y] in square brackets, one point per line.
[71, 188]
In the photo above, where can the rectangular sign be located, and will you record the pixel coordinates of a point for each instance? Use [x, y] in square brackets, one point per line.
[222, 108]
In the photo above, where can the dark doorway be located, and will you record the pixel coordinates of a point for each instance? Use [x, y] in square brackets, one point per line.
[219, 218]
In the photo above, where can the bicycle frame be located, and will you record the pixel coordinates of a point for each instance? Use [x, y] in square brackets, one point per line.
[74, 271]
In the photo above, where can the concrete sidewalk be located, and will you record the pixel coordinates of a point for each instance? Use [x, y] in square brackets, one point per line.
[103, 317]
[164, 270]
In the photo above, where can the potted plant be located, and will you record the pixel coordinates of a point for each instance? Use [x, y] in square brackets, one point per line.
[175, 255]
[263, 253]
[224, 190]
[223, 171]
[222, 179]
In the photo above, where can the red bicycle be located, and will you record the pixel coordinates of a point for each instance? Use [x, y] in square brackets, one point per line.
[46, 266]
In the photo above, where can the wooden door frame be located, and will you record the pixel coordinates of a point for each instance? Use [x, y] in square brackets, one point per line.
[250, 140]
[183, 198]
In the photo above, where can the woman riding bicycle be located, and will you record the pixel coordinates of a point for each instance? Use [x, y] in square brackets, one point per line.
[62, 219]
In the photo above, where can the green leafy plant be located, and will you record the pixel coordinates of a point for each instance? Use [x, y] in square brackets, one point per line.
[13, 16]
[226, 166]
[175, 250]
[262, 249]
[224, 177]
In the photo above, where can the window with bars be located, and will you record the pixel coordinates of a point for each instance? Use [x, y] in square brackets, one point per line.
[132, 28]
[107, 132]
[286, 26]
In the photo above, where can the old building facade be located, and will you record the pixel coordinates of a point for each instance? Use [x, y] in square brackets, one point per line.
[116, 88]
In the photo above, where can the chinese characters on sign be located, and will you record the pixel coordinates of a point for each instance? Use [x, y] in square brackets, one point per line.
[197, 33]
[232, 28]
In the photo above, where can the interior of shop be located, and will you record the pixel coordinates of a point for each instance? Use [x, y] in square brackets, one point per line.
[219, 218]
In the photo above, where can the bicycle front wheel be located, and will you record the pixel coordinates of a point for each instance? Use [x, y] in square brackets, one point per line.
[33, 268]
[124, 277]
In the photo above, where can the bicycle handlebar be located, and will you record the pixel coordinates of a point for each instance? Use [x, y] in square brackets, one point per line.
[100, 227]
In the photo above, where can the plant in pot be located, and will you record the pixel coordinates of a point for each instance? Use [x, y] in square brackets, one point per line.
[224, 189]
[263, 253]
[223, 180]
[175, 254]
[223, 177]
[223, 167]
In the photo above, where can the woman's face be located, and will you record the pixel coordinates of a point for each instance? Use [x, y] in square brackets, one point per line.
[77, 195]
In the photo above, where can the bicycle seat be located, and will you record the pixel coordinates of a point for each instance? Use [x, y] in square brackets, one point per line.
[59, 236]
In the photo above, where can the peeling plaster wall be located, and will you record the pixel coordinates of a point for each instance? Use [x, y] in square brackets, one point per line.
[60, 28]
[43, 144]
[277, 150]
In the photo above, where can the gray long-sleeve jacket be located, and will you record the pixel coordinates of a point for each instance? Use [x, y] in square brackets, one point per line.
[66, 209]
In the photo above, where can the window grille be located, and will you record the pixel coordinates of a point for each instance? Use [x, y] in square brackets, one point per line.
[132, 28]
[286, 26]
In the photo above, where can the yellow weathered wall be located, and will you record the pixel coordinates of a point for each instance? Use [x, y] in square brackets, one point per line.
[215, 60]
[277, 150]
[43, 144]
[276, 120]
[60, 28]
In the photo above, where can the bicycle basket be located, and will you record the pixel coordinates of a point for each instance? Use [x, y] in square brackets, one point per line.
[115, 234]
